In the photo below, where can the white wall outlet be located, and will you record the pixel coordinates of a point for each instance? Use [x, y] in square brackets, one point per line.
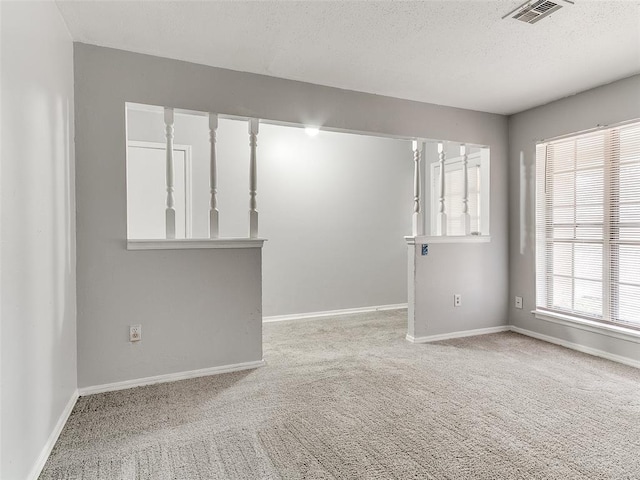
[457, 300]
[519, 302]
[135, 333]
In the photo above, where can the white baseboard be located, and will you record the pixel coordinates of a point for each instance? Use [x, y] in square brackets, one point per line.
[546, 338]
[170, 377]
[576, 346]
[53, 438]
[464, 333]
[333, 313]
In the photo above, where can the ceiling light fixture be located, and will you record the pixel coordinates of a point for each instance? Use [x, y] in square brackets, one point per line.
[311, 131]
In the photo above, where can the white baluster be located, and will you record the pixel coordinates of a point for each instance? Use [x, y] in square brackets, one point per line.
[442, 215]
[466, 217]
[253, 143]
[170, 212]
[214, 230]
[417, 223]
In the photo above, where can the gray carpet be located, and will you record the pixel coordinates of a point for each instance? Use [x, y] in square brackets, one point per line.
[349, 398]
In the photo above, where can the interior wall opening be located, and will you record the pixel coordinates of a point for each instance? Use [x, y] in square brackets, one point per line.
[334, 206]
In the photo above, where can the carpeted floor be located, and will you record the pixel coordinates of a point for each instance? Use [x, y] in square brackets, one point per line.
[349, 398]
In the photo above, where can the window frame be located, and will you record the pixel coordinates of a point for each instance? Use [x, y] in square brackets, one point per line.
[609, 322]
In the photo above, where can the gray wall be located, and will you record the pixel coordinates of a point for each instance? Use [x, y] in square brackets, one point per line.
[605, 105]
[476, 271]
[473, 271]
[115, 285]
[37, 237]
[335, 210]
[334, 207]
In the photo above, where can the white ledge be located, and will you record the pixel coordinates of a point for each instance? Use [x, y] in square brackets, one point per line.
[194, 243]
[615, 331]
[426, 239]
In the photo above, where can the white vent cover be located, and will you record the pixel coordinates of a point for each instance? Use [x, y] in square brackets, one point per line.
[534, 11]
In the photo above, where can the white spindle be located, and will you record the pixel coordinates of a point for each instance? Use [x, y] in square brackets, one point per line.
[170, 212]
[466, 218]
[442, 215]
[213, 179]
[253, 143]
[417, 223]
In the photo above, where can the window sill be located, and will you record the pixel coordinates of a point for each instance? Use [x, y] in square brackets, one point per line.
[614, 331]
[194, 243]
[423, 239]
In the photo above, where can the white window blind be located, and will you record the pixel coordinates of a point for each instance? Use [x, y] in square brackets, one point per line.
[588, 225]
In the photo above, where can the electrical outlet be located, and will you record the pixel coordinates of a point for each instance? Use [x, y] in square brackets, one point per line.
[135, 333]
[519, 302]
[457, 300]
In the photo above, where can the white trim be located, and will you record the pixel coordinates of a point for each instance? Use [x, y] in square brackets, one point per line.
[193, 243]
[36, 470]
[614, 331]
[169, 377]
[426, 239]
[332, 313]
[464, 333]
[578, 347]
[410, 240]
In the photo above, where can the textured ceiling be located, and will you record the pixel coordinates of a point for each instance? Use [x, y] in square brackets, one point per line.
[457, 53]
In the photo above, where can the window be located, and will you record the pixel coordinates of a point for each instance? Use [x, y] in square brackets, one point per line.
[478, 194]
[588, 226]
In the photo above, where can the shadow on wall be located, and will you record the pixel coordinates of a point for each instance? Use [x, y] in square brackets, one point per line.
[60, 319]
[38, 255]
[527, 204]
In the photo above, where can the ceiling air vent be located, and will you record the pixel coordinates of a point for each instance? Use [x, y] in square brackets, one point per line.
[534, 11]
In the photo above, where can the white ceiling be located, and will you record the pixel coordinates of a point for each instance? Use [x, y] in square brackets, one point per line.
[457, 53]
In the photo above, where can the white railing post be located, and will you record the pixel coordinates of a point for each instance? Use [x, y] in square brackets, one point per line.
[253, 143]
[214, 231]
[466, 217]
[442, 215]
[417, 223]
[170, 212]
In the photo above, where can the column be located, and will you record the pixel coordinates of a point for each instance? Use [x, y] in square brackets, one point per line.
[170, 212]
[417, 220]
[442, 215]
[253, 143]
[466, 218]
[214, 230]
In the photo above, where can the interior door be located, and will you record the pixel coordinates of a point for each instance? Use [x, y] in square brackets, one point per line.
[147, 191]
